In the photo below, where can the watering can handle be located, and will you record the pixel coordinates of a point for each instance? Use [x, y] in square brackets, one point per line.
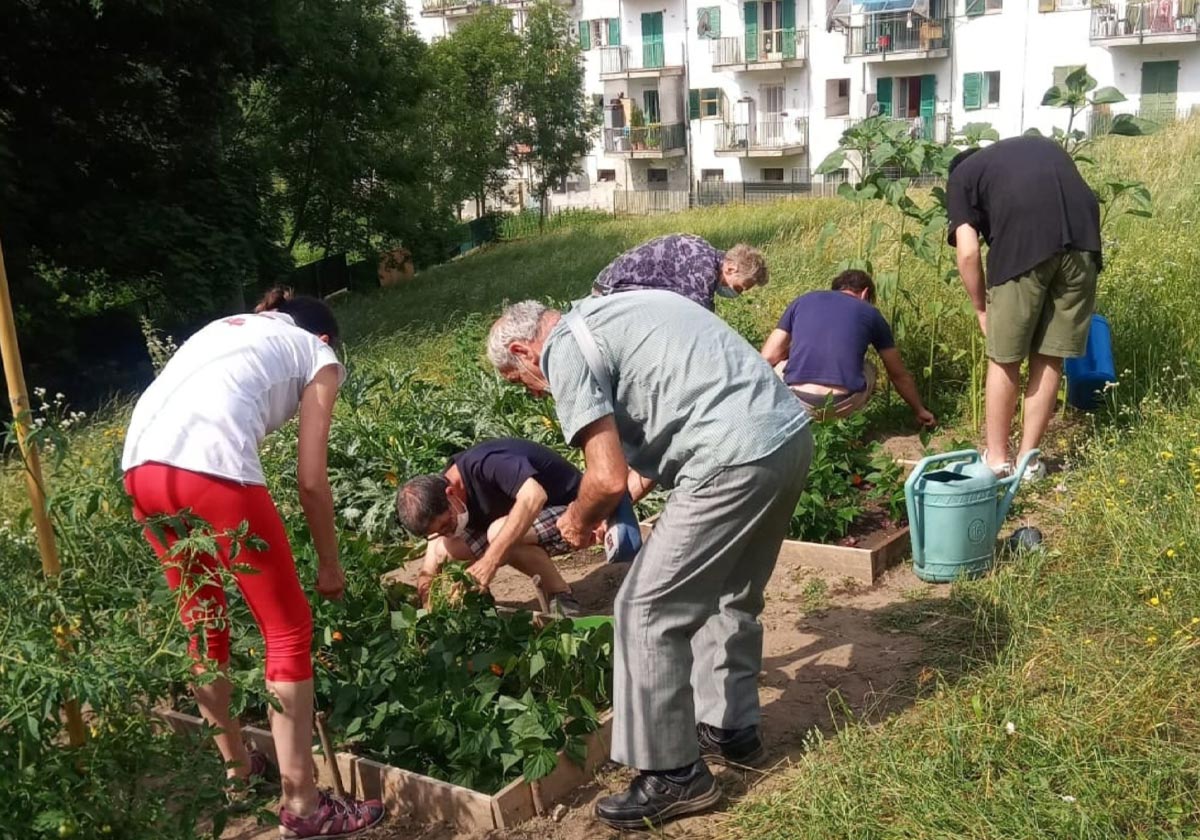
[1013, 482]
[910, 496]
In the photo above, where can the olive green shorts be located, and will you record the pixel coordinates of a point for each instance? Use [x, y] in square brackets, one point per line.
[1047, 310]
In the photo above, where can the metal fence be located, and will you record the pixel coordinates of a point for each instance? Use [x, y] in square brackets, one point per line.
[1163, 114]
[713, 193]
[647, 202]
[899, 33]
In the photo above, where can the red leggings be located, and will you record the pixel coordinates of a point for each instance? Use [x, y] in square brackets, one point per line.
[272, 590]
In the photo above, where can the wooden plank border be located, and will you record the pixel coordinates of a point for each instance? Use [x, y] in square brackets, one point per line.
[409, 794]
[864, 564]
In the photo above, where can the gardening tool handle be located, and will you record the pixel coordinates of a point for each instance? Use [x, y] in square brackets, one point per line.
[543, 601]
[330, 758]
[910, 495]
[1013, 482]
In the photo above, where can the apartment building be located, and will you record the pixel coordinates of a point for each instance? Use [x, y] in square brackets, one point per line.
[756, 93]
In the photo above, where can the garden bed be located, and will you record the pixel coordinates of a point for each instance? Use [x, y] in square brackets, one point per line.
[428, 800]
[878, 544]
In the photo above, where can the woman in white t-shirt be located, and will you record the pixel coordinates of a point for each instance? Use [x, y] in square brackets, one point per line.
[192, 445]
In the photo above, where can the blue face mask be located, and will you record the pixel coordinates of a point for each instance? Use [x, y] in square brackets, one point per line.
[726, 291]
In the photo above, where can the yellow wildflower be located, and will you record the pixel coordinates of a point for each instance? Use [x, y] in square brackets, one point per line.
[1166, 456]
[1170, 552]
[1154, 601]
[1152, 640]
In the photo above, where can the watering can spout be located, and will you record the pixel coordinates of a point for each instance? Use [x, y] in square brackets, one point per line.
[1013, 482]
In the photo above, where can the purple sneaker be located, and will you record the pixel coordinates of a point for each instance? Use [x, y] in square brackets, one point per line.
[333, 817]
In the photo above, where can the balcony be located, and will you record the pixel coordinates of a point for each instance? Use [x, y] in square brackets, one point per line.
[1132, 24]
[457, 8]
[774, 51]
[766, 138]
[899, 38]
[938, 128]
[646, 62]
[646, 142]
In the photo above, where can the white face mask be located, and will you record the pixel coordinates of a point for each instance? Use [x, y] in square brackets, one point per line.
[460, 523]
[727, 291]
[540, 381]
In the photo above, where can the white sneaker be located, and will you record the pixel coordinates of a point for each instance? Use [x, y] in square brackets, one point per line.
[1035, 471]
[1002, 470]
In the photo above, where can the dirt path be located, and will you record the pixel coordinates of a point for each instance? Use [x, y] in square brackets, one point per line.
[825, 639]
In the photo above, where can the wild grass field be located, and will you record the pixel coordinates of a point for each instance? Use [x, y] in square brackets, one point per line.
[1079, 714]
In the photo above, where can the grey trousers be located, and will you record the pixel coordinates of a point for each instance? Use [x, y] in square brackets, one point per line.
[688, 639]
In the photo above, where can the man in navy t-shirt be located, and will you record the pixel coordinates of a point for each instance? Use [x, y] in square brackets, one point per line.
[497, 503]
[820, 346]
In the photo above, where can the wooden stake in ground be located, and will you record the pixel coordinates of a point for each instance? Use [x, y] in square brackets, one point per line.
[18, 397]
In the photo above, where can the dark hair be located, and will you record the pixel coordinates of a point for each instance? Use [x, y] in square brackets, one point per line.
[855, 281]
[420, 501]
[959, 158]
[309, 313]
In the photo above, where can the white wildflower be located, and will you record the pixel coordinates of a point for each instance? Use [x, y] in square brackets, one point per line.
[1067, 799]
[1010, 728]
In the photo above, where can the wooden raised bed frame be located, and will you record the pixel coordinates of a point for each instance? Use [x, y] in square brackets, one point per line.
[405, 793]
[864, 564]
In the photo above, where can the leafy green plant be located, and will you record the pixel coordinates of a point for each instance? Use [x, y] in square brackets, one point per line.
[1078, 93]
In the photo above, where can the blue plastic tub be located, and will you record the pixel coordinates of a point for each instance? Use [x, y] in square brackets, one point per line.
[1088, 374]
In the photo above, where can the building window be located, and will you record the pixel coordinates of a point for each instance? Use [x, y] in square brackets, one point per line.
[837, 97]
[772, 27]
[601, 32]
[606, 175]
[710, 102]
[1061, 73]
[838, 176]
[712, 176]
[981, 90]
[598, 101]
[657, 179]
[772, 174]
[994, 5]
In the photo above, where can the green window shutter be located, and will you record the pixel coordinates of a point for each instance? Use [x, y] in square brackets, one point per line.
[751, 7]
[928, 103]
[693, 104]
[972, 91]
[975, 8]
[883, 96]
[614, 32]
[585, 35]
[652, 40]
[714, 19]
[788, 22]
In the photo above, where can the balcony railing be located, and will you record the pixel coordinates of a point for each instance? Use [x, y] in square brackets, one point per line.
[938, 128]
[1158, 112]
[622, 60]
[644, 138]
[443, 6]
[888, 34]
[773, 46]
[1149, 19]
[773, 134]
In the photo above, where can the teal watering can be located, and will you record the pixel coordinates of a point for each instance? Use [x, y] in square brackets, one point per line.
[955, 513]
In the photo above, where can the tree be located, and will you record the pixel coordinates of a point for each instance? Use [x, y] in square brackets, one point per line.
[475, 72]
[337, 118]
[556, 122]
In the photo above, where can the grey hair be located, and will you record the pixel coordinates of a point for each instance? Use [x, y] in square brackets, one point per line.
[520, 322]
[748, 263]
[420, 501]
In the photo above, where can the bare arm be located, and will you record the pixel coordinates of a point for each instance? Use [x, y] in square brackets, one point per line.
[436, 554]
[531, 498]
[776, 347]
[905, 386]
[316, 497]
[638, 485]
[605, 481]
[970, 269]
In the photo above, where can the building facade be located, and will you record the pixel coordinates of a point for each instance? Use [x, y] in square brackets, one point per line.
[702, 95]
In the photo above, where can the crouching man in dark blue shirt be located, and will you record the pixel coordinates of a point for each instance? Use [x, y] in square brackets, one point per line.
[497, 503]
[819, 348]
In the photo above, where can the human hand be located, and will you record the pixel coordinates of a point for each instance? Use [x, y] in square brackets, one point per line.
[598, 533]
[573, 532]
[925, 417]
[483, 572]
[981, 314]
[331, 581]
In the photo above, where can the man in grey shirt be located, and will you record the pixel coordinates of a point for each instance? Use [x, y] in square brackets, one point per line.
[695, 409]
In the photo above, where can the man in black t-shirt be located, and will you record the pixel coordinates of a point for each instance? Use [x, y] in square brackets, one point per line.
[496, 504]
[1025, 199]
